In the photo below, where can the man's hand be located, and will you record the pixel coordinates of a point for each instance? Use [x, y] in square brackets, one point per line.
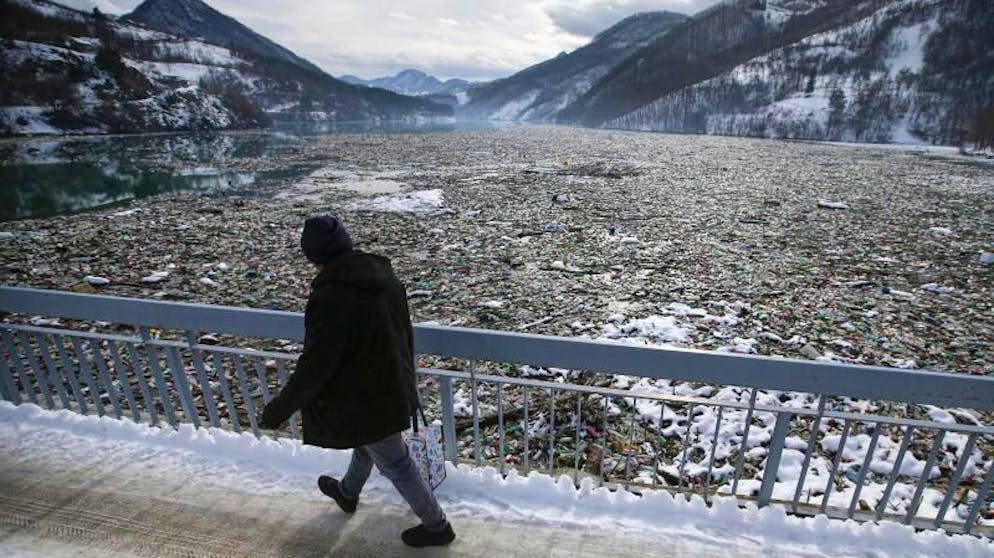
[270, 420]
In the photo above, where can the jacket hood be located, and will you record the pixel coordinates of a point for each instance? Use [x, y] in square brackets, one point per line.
[359, 269]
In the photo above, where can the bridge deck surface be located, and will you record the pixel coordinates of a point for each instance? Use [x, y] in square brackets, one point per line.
[117, 501]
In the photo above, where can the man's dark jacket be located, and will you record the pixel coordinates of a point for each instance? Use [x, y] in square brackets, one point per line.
[354, 382]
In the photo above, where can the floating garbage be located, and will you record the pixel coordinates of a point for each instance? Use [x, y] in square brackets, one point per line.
[756, 225]
[157, 277]
[828, 204]
[936, 288]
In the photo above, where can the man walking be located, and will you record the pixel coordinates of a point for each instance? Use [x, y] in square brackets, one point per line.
[354, 382]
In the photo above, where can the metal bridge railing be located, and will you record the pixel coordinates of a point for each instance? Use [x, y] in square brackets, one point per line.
[632, 417]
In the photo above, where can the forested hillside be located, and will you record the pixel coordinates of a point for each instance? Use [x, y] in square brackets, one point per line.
[66, 71]
[909, 71]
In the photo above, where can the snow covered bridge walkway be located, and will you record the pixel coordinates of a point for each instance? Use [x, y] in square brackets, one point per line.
[74, 485]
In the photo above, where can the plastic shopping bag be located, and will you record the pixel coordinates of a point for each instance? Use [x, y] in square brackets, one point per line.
[427, 450]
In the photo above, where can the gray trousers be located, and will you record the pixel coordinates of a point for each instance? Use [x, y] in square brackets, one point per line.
[394, 462]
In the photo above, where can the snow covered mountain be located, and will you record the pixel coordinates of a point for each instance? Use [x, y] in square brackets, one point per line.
[195, 19]
[539, 92]
[69, 71]
[412, 82]
[855, 70]
[709, 44]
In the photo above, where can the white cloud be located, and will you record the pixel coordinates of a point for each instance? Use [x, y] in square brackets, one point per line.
[106, 6]
[482, 39]
[589, 17]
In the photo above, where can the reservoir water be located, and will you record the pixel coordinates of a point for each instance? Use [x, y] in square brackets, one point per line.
[44, 177]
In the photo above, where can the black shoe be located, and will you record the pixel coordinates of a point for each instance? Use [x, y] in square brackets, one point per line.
[420, 536]
[329, 486]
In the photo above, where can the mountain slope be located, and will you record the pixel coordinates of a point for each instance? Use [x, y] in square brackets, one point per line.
[68, 71]
[411, 82]
[65, 71]
[909, 71]
[297, 87]
[195, 19]
[707, 45]
[538, 92]
[354, 80]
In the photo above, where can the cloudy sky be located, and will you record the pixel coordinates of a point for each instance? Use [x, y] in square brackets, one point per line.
[472, 39]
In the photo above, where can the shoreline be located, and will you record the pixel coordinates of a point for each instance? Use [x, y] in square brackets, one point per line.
[497, 124]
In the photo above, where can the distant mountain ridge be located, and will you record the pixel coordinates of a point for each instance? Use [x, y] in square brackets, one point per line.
[541, 91]
[411, 82]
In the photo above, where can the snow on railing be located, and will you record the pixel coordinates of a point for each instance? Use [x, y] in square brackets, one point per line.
[847, 441]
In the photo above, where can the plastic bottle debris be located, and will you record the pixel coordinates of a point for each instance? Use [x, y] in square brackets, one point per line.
[828, 204]
[157, 277]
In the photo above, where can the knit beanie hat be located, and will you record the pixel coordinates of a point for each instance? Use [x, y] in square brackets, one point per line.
[324, 239]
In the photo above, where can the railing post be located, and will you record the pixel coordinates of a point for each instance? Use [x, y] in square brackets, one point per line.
[44, 383]
[18, 367]
[205, 383]
[780, 432]
[743, 446]
[815, 427]
[176, 368]
[964, 459]
[152, 356]
[476, 414]
[981, 501]
[916, 500]
[448, 418]
[282, 380]
[7, 390]
[54, 378]
[143, 386]
[87, 373]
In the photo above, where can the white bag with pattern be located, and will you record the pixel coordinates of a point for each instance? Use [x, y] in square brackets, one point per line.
[427, 450]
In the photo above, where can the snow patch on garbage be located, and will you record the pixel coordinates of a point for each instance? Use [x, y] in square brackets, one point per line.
[646, 330]
[421, 202]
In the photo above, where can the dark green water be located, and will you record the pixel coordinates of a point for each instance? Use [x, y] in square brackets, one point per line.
[46, 177]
